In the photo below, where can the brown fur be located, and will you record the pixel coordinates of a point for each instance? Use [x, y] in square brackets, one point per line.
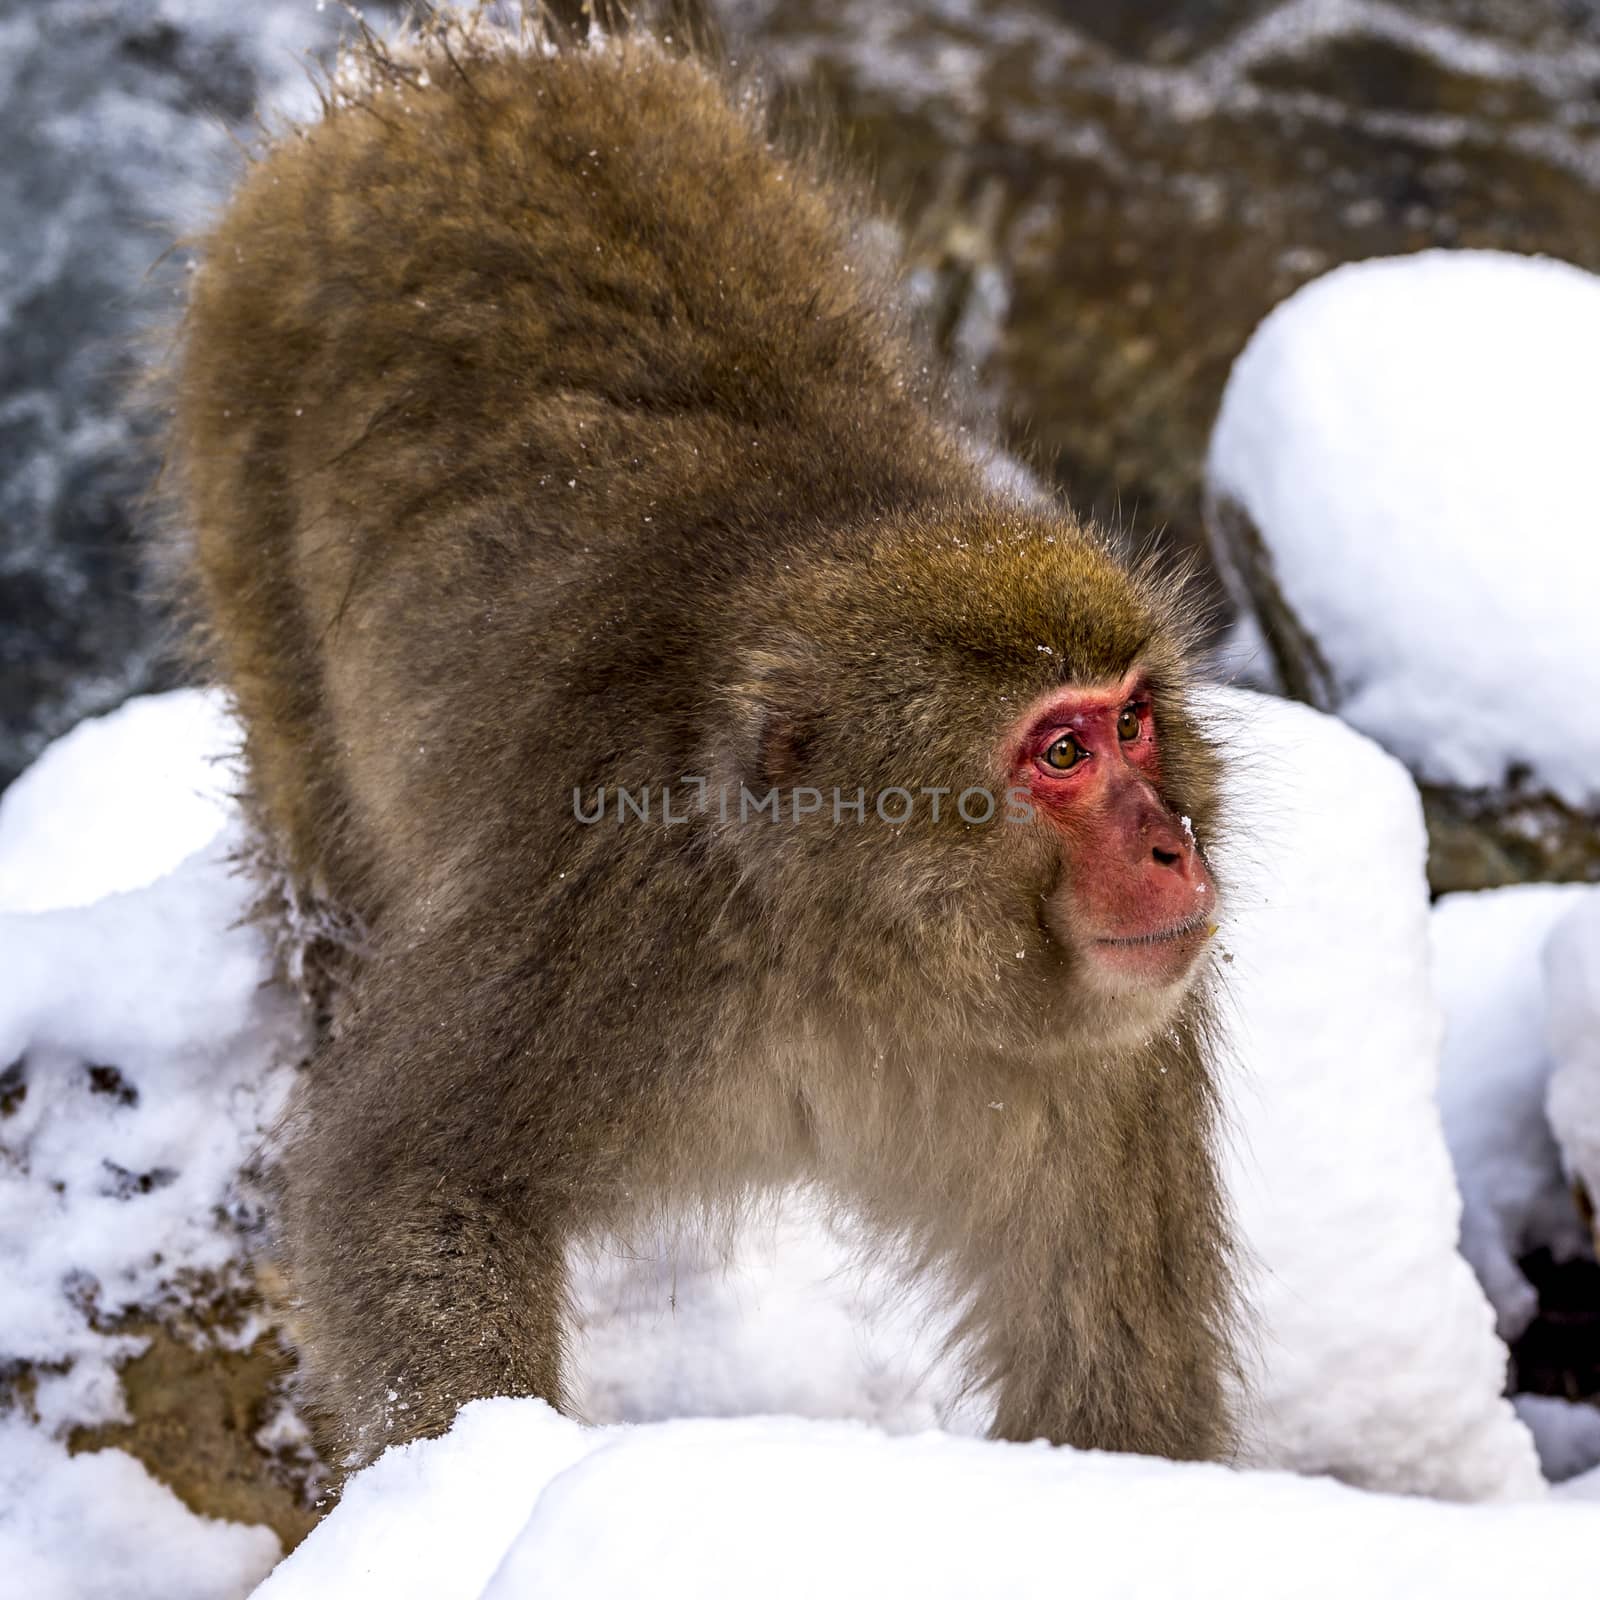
[545, 426]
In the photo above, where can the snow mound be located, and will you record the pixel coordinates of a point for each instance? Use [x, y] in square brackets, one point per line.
[1378, 1359]
[118, 802]
[1495, 1073]
[517, 1502]
[784, 1318]
[1572, 978]
[1421, 527]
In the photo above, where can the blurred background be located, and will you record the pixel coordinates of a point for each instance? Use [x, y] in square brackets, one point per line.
[1099, 200]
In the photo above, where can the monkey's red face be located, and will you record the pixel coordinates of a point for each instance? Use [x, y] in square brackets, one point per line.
[1134, 899]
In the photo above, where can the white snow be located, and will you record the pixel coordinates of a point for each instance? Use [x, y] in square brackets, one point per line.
[1445, 581]
[96, 1526]
[1572, 979]
[1377, 1357]
[149, 1061]
[686, 1326]
[141, 1062]
[1584, 1487]
[1496, 1068]
[118, 802]
[1378, 1360]
[517, 1503]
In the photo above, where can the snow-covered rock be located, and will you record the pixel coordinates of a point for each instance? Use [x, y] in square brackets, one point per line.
[148, 1063]
[1399, 482]
[1496, 1069]
[141, 1063]
[517, 1503]
[1572, 984]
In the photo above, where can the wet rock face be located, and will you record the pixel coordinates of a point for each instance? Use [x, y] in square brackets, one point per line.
[1145, 182]
[115, 118]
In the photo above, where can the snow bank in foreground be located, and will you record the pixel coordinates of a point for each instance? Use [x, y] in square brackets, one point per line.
[518, 1503]
[1448, 581]
[1496, 1068]
[1572, 979]
[118, 802]
[1379, 1361]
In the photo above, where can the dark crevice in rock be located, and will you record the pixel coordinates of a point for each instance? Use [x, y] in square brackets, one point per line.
[1560, 1352]
[1241, 555]
[13, 1088]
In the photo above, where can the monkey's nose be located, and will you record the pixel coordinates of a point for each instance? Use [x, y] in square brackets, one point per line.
[1167, 858]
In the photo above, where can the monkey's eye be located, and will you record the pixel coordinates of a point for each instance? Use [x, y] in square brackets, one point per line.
[1128, 724]
[1064, 754]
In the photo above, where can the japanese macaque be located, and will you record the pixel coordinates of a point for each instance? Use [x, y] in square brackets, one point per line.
[732, 787]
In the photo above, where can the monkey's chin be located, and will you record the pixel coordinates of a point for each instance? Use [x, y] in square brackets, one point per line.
[1148, 963]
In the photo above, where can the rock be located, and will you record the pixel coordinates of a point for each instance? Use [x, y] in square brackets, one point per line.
[1143, 183]
[118, 119]
[212, 1423]
[1486, 839]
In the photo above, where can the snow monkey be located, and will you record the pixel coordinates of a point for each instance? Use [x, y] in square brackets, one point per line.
[732, 786]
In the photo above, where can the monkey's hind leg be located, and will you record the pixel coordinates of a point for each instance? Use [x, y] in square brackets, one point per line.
[429, 1192]
[452, 1297]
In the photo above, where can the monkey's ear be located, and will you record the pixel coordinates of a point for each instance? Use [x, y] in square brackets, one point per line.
[773, 718]
[784, 737]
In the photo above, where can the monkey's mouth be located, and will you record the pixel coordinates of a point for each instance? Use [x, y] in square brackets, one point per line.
[1151, 961]
[1194, 926]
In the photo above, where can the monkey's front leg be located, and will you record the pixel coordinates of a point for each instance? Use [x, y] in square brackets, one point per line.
[1107, 1314]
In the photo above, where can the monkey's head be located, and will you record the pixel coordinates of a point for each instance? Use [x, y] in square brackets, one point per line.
[987, 773]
